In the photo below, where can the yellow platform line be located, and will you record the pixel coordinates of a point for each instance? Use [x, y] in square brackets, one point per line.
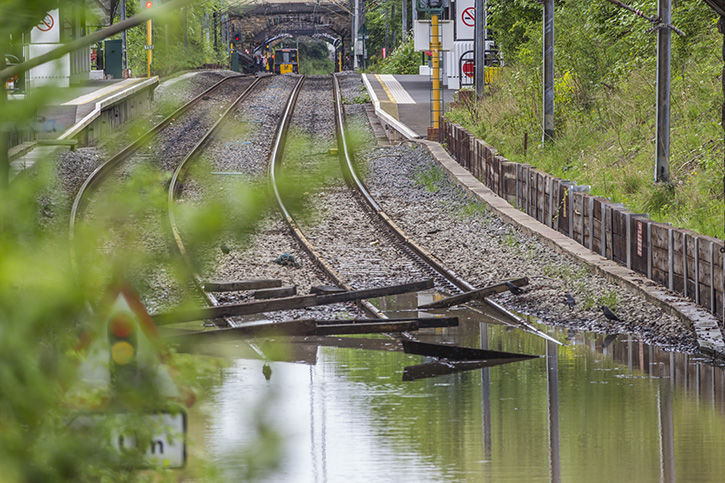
[385, 88]
[389, 106]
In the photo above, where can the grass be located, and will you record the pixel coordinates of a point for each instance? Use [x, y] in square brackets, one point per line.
[609, 142]
[431, 178]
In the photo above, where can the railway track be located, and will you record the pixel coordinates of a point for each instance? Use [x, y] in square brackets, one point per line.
[356, 244]
[160, 148]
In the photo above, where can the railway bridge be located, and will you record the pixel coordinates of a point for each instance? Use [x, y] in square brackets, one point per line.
[267, 23]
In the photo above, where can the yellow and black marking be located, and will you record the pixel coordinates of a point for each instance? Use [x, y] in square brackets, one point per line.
[286, 61]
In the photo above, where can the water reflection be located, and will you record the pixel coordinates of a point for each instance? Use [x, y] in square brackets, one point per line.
[596, 409]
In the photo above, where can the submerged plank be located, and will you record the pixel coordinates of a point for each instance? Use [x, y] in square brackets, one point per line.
[440, 368]
[423, 322]
[452, 352]
[251, 329]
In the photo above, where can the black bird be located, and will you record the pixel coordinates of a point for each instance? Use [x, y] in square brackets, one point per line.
[609, 314]
[267, 371]
[513, 288]
[570, 301]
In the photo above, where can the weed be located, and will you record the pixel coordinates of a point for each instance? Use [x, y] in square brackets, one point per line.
[431, 178]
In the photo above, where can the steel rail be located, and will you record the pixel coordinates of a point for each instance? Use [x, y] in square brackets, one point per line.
[174, 186]
[275, 160]
[104, 169]
[423, 255]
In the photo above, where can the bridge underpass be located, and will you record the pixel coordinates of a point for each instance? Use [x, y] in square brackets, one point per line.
[263, 26]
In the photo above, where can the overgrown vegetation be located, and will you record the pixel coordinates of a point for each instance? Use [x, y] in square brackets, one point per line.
[605, 97]
[403, 60]
[182, 40]
[314, 58]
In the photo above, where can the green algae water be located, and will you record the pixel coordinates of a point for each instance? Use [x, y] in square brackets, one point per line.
[594, 409]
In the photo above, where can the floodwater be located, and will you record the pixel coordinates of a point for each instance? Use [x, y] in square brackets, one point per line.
[593, 409]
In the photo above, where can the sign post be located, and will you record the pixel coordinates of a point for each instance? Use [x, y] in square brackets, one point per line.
[122, 363]
[435, 8]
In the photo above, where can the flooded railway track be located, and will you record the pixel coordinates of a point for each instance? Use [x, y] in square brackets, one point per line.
[350, 239]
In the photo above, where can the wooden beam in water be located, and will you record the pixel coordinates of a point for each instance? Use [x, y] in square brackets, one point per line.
[457, 353]
[286, 303]
[422, 322]
[440, 368]
[474, 294]
[313, 327]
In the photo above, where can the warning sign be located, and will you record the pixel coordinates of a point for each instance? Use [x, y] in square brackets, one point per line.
[465, 19]
[46, 24]
[48, 29]
[468, 68]
[468, 17]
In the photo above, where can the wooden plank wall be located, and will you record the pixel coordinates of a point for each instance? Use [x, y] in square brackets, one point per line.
[683, 261]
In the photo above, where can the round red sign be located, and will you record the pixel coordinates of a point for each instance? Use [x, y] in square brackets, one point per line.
[468, 68]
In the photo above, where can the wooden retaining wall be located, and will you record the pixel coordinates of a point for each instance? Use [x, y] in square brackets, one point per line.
[681, 260]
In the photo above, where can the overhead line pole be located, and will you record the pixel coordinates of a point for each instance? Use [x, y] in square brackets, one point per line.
[356, 29]
[480, 48]
[548, 114]
[664, 51]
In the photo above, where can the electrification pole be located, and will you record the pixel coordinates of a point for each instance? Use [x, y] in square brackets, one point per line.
[404, 17]
[664, 51]
[355, 33]
[480, 48]
[124, 58]
[548, 117]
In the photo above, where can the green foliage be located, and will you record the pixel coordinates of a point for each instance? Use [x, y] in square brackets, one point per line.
[181, 40]
[381, 27]
[403, 60]
[362, 98]
[431, 179]
[314, 58]
[605, 105]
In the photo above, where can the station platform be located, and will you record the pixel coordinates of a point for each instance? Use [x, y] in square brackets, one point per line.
[406, 99]
[80, 114]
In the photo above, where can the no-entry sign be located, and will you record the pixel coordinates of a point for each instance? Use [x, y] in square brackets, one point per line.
[467, 68]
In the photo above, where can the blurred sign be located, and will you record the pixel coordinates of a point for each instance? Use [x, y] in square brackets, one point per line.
[48, 29]
[164, 441]
[422, 34]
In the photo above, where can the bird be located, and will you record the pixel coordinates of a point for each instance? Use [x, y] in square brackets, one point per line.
[570, 301]
[609, 314]
[267, 371]
[609, 339]
[513, 288]
[225, 249]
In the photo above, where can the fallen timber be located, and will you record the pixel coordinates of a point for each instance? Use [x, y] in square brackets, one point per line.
[474, 294]
[444, 367]
[286, 303]
[457, 353]
[311, 327]
[239, 285]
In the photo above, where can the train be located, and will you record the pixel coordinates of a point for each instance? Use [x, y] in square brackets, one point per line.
[286, 61]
